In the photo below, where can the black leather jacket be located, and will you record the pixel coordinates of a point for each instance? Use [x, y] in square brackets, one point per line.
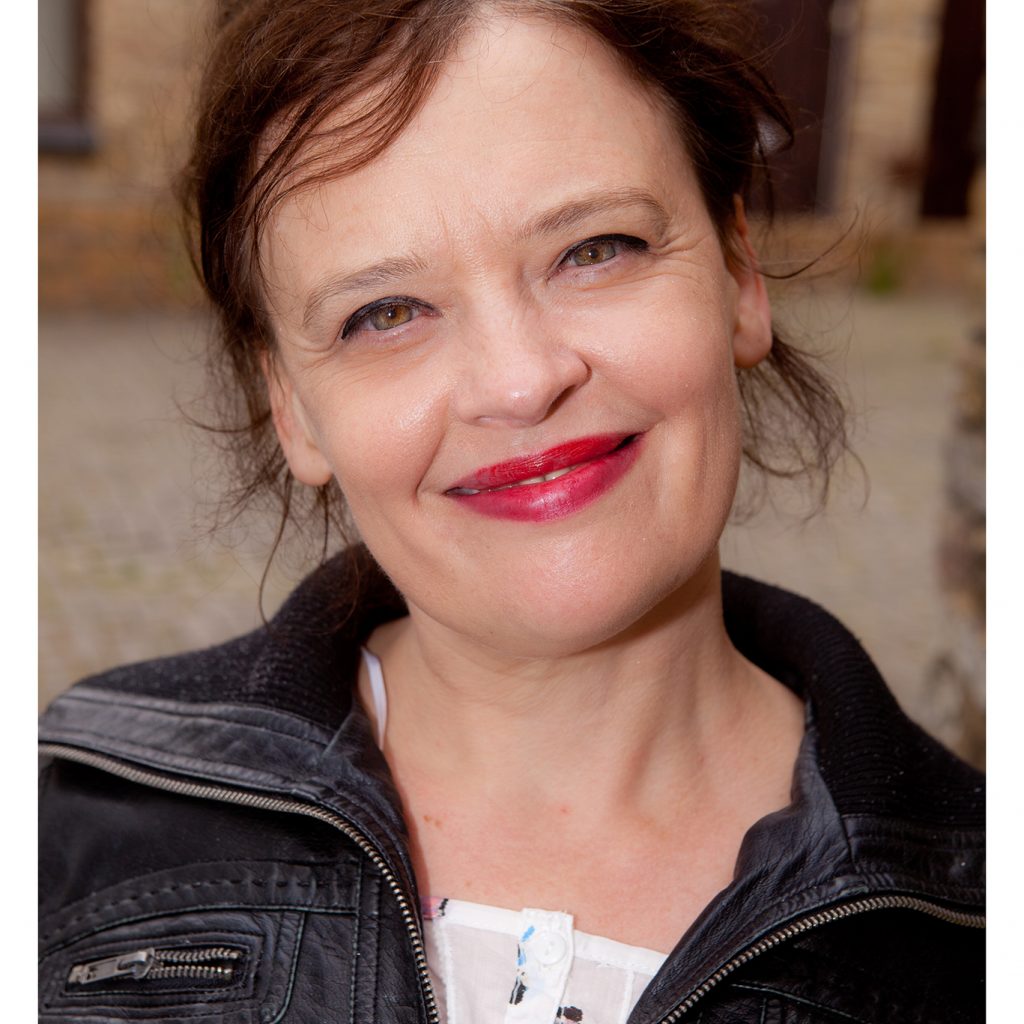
[221, 840]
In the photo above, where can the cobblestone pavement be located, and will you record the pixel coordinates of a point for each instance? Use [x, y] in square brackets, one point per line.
[128, 569]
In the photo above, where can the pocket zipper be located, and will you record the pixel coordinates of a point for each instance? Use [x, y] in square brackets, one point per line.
[210, 963]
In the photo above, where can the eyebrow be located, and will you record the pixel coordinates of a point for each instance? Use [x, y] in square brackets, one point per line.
[568, 215]
[377, 274]
[561, 218]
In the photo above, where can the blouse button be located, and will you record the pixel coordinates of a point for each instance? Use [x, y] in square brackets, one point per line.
[549, 948]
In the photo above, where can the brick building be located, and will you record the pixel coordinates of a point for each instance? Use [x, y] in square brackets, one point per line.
[116, 78]
[864, 75]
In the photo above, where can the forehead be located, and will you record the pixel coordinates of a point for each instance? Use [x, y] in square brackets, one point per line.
[528, 114]
[549, 79]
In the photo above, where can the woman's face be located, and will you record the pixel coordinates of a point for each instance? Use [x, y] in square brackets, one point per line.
[525, 282]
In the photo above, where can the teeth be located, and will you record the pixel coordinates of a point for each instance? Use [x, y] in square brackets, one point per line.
[554, 475]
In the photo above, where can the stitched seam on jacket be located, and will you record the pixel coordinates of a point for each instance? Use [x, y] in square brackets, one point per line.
[97, 908]
[201, 766]
[376, 958]
[886, 880]
[99, 698]
[84, 1013]
[186, 764]
[356, 936]
[168, 995]
[751, 986]
[860, 829]
[100, 926]
[975, 843]
[292, 972]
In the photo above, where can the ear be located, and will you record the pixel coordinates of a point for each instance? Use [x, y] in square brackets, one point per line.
[752, 335]
[305, 459]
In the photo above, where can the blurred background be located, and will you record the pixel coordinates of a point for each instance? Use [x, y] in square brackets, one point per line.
[886, 179]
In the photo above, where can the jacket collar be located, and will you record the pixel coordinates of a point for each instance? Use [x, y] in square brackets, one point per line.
[274, 711]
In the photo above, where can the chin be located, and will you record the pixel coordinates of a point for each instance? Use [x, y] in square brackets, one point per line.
[559, 617]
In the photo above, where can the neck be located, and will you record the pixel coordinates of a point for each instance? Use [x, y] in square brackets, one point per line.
[668, 702]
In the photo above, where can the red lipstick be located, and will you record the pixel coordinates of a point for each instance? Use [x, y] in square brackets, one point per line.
[551, 484]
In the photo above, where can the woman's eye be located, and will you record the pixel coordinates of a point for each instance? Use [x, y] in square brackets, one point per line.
[593, 252]
[393, 315]
[601, 250]
[381, 316]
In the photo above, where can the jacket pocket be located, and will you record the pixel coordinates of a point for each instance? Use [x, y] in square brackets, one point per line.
[234, 966]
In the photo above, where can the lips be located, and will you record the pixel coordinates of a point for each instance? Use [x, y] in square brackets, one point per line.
[550, 484]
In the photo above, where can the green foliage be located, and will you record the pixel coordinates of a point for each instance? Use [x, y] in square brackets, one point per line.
[886, 267]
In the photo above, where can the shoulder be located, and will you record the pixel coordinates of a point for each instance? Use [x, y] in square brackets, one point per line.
[150, 759]
[875, 760]
[298, 663]
[257, 711]
[197, 801]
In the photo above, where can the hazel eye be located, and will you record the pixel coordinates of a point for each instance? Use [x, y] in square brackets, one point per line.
[591, 253]
[393, 315]
[596, 251]
[381, 316]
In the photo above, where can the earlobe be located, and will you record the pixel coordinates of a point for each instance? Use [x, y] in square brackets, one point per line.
[752, 333]
[300, 448]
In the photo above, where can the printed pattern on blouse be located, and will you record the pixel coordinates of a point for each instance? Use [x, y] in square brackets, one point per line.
[494, 966]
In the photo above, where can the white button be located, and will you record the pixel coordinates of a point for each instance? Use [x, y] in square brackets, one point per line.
[549, 947]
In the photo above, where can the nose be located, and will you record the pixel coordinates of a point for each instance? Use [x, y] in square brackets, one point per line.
[515, 371]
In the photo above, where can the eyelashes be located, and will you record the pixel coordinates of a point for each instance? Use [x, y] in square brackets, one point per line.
[595, 251]
[395, 311]
[383, 315]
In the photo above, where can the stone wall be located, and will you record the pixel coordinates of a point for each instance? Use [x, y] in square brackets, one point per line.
[956, 682]
[109, 235]
[108, 229]
[896, 45]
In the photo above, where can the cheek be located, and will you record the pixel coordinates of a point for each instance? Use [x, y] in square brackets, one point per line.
[679, 367]
[380, 429]
[673, 364]
[671, 339]
[692, 375]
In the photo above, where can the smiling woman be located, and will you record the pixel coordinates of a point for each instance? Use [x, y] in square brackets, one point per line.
[483, 274]
[534, 308]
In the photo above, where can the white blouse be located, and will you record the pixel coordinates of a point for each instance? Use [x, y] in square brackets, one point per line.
[489, 965]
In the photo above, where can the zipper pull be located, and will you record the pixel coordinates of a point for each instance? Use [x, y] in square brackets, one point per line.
[136, 964]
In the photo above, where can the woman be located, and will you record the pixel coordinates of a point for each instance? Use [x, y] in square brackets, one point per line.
[526, 756]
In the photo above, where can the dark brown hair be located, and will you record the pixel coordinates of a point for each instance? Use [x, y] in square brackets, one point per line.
[279, 72]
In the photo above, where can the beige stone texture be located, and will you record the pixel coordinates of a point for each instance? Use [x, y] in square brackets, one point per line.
[109, 233]
[883, 152]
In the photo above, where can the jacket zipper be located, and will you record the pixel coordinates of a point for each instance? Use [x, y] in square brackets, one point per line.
[815, 920]
[239, 796]
[269, 803]
[207, 963]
